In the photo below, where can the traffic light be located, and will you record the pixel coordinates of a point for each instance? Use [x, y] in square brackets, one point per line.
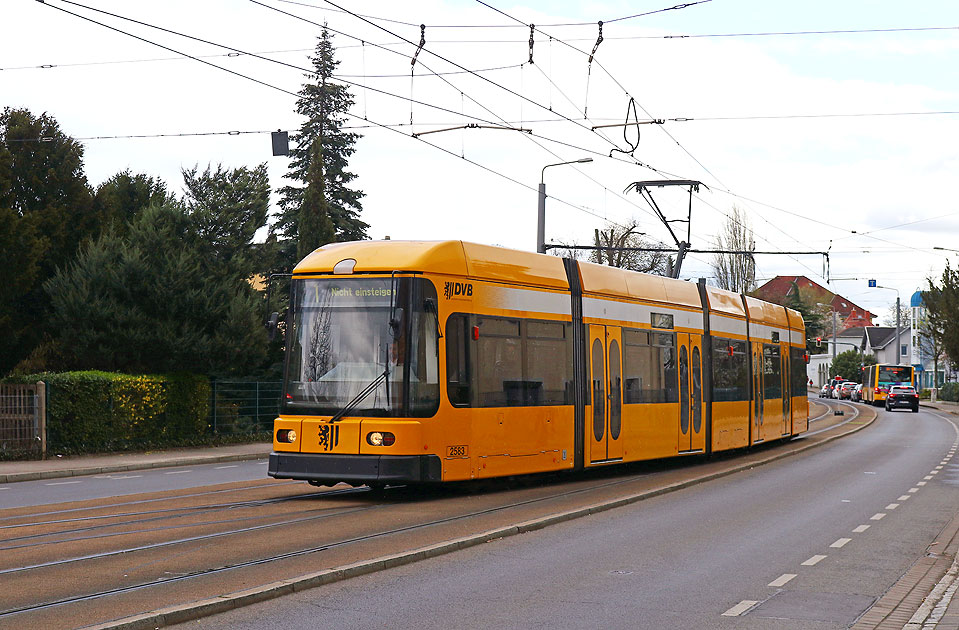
[819, 342]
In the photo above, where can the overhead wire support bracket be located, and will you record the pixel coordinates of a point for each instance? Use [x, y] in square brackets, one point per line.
[599, 40]
[420, 47]
[643, 188]
[472, 126]
[532, 29]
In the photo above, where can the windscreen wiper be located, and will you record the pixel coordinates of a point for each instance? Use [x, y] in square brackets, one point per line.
[369, 389]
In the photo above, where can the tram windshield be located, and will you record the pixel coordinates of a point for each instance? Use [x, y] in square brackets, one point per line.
[346, 333]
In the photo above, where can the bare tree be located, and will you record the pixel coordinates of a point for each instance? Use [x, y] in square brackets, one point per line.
[735, 272]
[620, 246]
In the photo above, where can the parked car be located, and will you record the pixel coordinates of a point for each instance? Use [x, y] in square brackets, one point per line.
[902, 396]
[845, 390]
[825, 391]
[856, 395]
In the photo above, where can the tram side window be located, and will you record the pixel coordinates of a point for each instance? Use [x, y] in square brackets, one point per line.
[522, 363]
[549, 361]
[772, 372]
[730, 370]
[457, 360]
[499, 361]
[797, 359]
[649, 367]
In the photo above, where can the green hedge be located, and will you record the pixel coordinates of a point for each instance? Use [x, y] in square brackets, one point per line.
[89, 412]
[949, 391]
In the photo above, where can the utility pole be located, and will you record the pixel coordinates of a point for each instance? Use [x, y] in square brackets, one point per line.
[835, 325]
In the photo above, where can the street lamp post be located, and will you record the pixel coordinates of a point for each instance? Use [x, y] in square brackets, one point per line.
[873, 285]
[541, 208]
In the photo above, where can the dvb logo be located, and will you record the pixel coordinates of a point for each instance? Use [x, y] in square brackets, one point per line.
[461, 290]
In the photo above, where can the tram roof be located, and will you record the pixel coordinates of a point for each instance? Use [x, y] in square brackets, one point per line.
[458, 258]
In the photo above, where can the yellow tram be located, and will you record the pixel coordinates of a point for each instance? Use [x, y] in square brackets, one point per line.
[422, 362]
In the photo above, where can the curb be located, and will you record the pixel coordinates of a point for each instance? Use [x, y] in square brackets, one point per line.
[99, 470]
[203, 608]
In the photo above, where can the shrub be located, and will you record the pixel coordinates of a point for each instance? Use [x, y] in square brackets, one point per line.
[949, 391]
[104, 411]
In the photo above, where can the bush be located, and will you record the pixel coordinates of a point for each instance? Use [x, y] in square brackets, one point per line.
[104, 411]
[949, 391]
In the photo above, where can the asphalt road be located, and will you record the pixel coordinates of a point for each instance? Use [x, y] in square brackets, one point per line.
[807, 542]
[49, 491]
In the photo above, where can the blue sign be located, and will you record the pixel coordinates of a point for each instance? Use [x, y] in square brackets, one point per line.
[872, 283]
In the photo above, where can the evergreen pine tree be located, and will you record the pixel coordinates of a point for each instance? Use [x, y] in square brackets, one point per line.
[320, 207]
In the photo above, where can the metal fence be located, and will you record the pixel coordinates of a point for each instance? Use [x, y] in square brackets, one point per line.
[244, 407]
[23, 419]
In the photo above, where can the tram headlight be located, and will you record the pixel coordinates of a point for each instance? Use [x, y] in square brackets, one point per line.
[380, 438]
[287, 436]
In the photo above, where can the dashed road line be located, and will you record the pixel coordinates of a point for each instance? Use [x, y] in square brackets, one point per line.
[740, 608]
[62, 483]
[927, 477]
[840, 543]
[177, 472]
[921, 483]
[813, 560]
[230, 466]
[861, 528]
[904, 497]
[782, 579]
[877, 516]
[933, 472]
[892, 506]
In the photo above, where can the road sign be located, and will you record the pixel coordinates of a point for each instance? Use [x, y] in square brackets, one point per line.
[872, 284]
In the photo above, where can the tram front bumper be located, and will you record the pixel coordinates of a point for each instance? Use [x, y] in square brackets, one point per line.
[333, 468]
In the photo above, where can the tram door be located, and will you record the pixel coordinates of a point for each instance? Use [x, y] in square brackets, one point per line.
[604, 416]
[757, 402]
[692, 437]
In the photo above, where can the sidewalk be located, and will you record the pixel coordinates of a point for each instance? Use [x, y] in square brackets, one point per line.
[941, 405]
[31, 470]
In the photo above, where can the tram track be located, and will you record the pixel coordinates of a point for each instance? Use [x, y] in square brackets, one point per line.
[399, 524]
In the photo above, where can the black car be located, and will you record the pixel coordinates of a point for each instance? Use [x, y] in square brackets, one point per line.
[902, 396]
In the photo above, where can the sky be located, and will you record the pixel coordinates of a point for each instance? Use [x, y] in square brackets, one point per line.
[842, 142]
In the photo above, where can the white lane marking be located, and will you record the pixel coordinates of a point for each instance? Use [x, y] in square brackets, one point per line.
[877, 516]
[846, 501]
[921, 483]
[813, 560]
[913, 490]
[869, 473]
[904, 497]
[927, 477]
[782, 579]
[861, 528]
[892, 506]
[4, 488]
[230, 466]
[177, 472]
[62, 483]
[120, 477]
[262, 463]
[933, 472]
[740, 608]
[840, 543]
[938, 467]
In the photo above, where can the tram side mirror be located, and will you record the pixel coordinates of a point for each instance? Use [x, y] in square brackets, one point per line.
[271, 324]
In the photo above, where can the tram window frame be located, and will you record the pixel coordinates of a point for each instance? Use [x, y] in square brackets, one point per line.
[726, 367]
[652, 356]
[772, 372]
[539, 361]
[459, 391]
